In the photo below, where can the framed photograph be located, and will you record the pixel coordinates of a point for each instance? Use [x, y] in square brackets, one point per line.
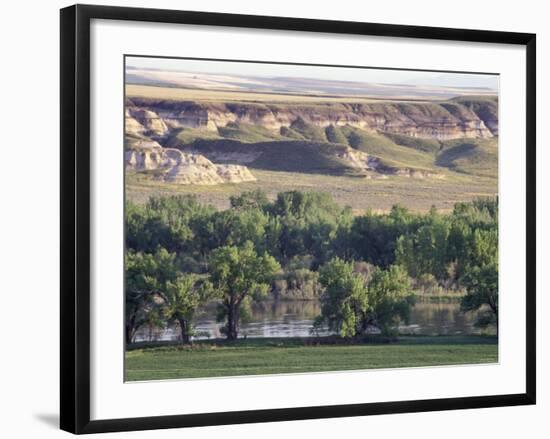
[273, 218]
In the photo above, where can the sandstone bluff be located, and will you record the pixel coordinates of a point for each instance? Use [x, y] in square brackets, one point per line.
[150, 123]
[446, 120]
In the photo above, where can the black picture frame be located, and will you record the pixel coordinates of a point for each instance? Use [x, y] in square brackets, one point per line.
[75, 217]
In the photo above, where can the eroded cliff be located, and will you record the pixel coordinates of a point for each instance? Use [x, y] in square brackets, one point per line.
[456, 118]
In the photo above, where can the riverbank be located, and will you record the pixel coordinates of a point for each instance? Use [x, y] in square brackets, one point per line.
[258, 356]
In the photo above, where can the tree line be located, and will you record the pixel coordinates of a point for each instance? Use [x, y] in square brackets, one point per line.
[181, 254]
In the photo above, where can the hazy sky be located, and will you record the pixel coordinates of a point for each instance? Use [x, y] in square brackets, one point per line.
[331, 73]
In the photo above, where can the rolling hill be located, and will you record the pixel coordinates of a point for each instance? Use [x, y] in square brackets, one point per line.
[316, 150]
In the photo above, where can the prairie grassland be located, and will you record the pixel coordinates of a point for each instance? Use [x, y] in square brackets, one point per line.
[184, 94]
[359, 193]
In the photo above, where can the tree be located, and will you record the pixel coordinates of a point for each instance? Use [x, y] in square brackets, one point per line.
[249, 200]
[156, 286]
[239, 274]
[140, 285]
[390, 299]
[169, 222]
[345, 299]
[235, 227]
[141, 310]
[374, 237]
[425, 250]
[352, 302]
[307, 223]
[480, 278]
[479, 213]
[181, 298]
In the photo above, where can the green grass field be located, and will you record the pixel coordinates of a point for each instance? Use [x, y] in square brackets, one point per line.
[288, 355]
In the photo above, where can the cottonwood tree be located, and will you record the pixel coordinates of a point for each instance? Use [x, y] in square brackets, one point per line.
[425, 251]
[344, 301]
[374, 237]
[141, 307]
[352, 302]
[390, 299]
[156, 287]
[239, 274]
[181, 297]
[480, 278]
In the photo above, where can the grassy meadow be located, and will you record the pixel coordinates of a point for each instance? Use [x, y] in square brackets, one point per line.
[286, 355]
[379, 195]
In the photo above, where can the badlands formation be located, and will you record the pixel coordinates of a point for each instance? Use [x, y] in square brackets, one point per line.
[151, 123]
[443, 120]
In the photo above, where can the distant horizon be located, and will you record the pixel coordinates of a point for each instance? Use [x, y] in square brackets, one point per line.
[330, 75]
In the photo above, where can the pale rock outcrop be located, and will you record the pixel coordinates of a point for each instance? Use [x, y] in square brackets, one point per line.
[358, 159]
[235, 173]
[149, 120]
[144, 159]
[132, 125]
[178, 167]
[374, 169]
[136, 141]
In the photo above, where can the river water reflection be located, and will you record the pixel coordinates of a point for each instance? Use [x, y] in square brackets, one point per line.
[295, 319]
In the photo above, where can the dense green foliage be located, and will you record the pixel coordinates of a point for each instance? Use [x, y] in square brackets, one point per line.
[156, 289]
[364, 269]
[345, 301]
[239, 274]
[355, 301]
[459, 249]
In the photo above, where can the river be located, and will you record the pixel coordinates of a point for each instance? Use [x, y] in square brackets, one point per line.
[294, 318]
